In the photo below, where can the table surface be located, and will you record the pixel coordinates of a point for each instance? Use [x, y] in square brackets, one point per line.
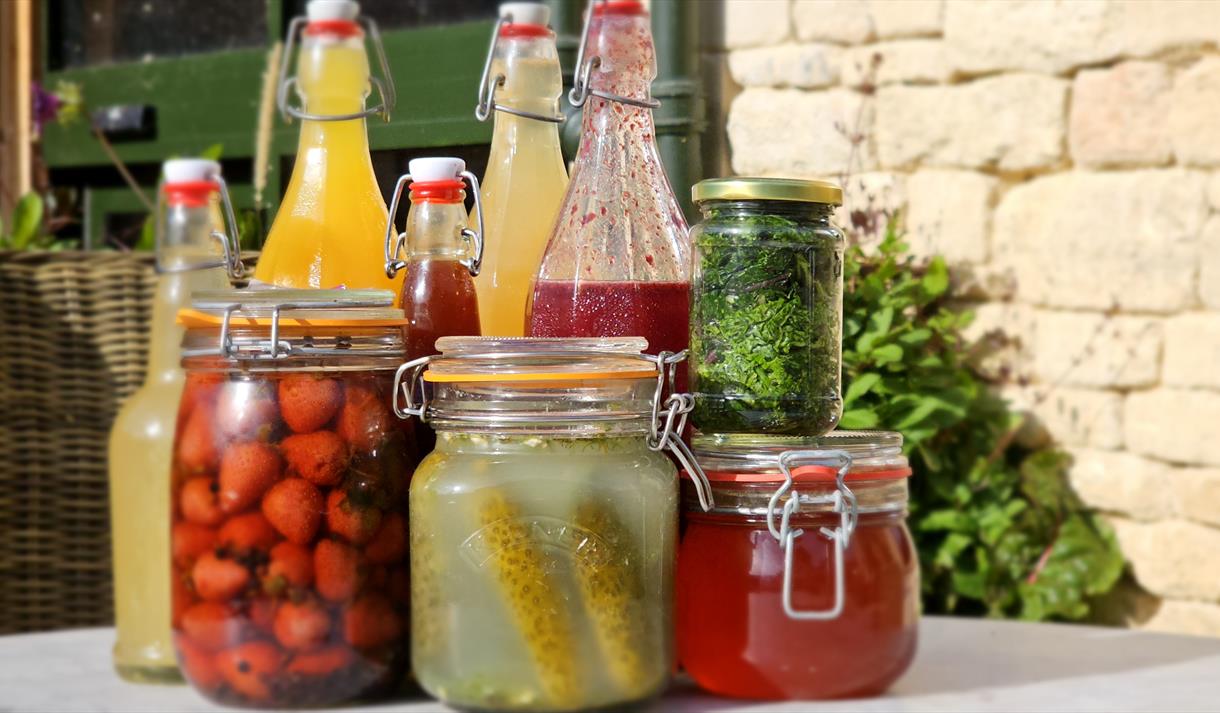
[962, 664]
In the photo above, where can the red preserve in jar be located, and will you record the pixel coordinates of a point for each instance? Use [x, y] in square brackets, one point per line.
[289, 499]
[803, 581]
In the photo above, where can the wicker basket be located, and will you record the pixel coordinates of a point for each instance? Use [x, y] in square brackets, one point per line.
[74, 346]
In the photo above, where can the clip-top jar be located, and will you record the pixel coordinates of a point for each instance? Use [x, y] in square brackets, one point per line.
[803, 581]
[289, 489]
[543, 526]
[767, 307]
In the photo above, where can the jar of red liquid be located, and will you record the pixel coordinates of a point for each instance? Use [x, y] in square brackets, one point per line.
[802, 582]
[288, 498]
[618, 261]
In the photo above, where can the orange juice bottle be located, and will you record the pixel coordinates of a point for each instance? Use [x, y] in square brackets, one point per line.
[526, 177]
[328, 230]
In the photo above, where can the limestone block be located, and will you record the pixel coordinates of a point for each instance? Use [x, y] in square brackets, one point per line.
[1122, 483]
[1051, 36]
[907, 18]
[1192, 351]
[870, 200]
[1091, 349]
[1119, 115]
[1209, 263]
[751, 23]
[1185, 617]
[999, 338]
[1075, 417]
[1175, 425]
[1148, 28]
[949, 214]
[901, 61]
[841, 21]
[1213, 191]
[1083, 240]
[1196, 494]
[1013, 122]
[1173, 558]
[1192, 114]
[808, 66]
[793, 133]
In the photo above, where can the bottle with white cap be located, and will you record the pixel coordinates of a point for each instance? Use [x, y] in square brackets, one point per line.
[526, 176]
[196, 250]
[439, 252]
[327, 231]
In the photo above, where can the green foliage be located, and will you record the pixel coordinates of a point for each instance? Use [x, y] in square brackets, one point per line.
[27, 228]
[998, 529]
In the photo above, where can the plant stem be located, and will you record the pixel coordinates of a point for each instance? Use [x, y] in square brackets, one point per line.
[122, 169]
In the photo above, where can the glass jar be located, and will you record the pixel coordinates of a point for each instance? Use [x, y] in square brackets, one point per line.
[290, 476]
[803, 582]
[767, 307]
[543, 526]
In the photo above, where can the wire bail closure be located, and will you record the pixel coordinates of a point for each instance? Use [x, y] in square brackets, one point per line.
[666, 426]
[581, 91]
[487, 86]
[384, 87]
[230, 246]
[844, 502]
[474, 238]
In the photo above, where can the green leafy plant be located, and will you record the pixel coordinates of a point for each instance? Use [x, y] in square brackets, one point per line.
[998, 529]
[27, 229]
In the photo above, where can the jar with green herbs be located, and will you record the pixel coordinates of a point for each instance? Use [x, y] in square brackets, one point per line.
[766, 307]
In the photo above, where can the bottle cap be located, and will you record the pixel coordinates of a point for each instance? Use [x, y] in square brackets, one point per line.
[424, 170]
[330, 10]
[188, 170]
[526, 13]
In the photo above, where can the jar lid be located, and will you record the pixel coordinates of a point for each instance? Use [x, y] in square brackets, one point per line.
[744, 188]
[539, 359]
[875, 455]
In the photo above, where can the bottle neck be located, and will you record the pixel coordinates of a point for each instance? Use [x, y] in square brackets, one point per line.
[434, 229]
[333, 80]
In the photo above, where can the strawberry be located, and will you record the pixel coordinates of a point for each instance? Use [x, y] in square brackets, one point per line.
[336, 568]
[308, 402]
[319, 457]
[218, 579]
[250, 667]
[190, 540]
[250, 531]
[350, 521]
[370, 621]
[292, 562]
[201, 389]
[294, 507]
[199, 502]
[365, 419]
[321, 663]
[246, 410]
[212, 625]
[197, 663]
[389, 545]
[301, 627]
[261, 613]
[197, 452]
[247, 470]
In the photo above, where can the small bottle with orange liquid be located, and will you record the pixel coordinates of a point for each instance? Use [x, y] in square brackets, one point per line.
[327, 232]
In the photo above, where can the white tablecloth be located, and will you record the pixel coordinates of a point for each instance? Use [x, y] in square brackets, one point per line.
[962, 664]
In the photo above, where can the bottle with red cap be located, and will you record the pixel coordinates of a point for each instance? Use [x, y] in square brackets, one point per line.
[526, 176]
[327, 232]
[193, 253]
[617, 263]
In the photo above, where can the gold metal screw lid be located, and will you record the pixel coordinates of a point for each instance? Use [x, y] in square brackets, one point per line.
[744, 188]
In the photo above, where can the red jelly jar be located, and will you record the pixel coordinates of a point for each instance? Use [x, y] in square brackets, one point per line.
[803, 581]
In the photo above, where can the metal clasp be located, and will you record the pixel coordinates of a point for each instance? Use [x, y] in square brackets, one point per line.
[411, 404]
[274, 348]
[230, 245]
[581, 91]
[395, 242]
[384, 84]
[488, 86]
[665, 431]
[844, 503]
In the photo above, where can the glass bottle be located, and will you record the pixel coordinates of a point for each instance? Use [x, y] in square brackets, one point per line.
[526, 176]
[617, 263]
[327, 230]
[189, 258]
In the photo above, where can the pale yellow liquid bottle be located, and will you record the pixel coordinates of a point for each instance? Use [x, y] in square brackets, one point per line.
[329, 230]
[526, 177]
[141, 440]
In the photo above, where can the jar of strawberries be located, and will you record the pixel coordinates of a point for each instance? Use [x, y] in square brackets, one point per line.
[289, 496]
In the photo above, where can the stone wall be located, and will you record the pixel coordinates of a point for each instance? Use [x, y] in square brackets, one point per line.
[1065, 158]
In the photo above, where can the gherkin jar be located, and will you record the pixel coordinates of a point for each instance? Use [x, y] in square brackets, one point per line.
[766, 307]
[543, 525]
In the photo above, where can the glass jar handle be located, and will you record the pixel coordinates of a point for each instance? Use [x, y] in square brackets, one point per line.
[475, 237]
[844, 503]
[230, 245]
[414, 405]
[384, 84]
